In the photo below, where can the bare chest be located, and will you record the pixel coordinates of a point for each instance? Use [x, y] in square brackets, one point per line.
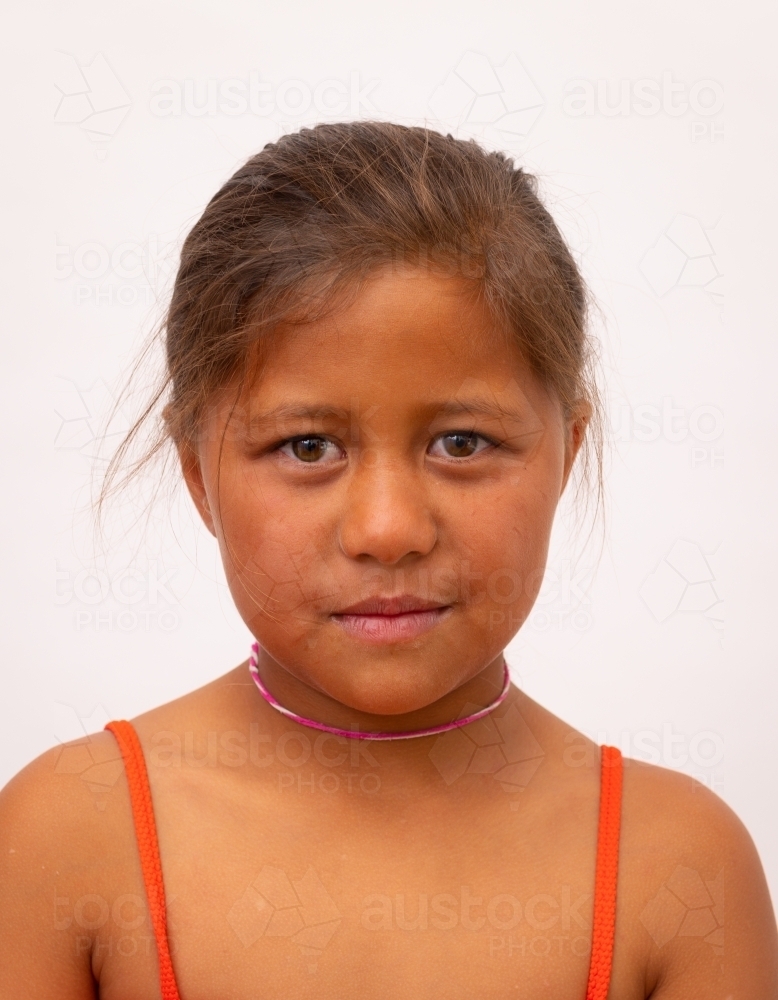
[334, 901]
[325, 928]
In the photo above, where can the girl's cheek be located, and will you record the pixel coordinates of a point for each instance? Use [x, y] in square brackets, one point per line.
[274, 564]
[516, 561]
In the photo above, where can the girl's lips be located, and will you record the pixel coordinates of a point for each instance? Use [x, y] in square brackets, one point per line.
[382, 628]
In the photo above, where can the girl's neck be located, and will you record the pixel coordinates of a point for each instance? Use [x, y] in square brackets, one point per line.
[303, 705]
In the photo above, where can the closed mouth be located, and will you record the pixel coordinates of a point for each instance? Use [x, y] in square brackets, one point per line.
[390, 620]
[402, 604]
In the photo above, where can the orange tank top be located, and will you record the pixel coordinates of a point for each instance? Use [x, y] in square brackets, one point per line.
[606, 871]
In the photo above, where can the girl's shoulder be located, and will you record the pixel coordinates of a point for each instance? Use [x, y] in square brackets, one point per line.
[64, 799]
[66, 843]
[691, 889]
[66, 822]
[75, 795]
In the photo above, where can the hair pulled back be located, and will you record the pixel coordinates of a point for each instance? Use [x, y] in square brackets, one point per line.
[319, 210]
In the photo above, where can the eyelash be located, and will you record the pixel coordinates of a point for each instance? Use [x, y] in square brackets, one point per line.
[489, 442]
[470, 434]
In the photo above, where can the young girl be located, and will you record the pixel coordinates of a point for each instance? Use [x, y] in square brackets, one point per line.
[378, 383]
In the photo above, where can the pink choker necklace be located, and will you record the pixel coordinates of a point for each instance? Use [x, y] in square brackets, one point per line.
[355, 733]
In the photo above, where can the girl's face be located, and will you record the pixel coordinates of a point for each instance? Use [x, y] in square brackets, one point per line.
[383, 499]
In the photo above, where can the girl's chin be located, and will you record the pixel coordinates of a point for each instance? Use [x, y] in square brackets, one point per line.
[389, 689]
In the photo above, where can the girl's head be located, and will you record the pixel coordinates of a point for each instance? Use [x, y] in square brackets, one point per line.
[378, 381]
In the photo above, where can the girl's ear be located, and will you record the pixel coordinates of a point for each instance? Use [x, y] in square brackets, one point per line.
[575, 429]
[191, 466]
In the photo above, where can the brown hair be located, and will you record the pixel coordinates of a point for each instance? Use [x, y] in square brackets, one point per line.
[314, 213]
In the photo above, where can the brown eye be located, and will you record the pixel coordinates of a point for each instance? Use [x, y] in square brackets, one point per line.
[309, 449]
[459, 444]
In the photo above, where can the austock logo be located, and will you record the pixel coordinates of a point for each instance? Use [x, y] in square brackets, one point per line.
[125, 600]
[687, 906]
[126, 273]
[645, 97]
[82, 413]
[685, 256]
[445, 911]
[684, 582]
[89, 97]
[96, 761]
[253, 95]
[501, 746]
[479, 97]
[275, 906]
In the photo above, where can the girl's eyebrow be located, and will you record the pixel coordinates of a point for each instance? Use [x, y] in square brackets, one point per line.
[488, 408]
[453, 407]
[296, 411]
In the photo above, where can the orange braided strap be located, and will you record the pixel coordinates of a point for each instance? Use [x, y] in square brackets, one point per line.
[607, 873]
[148, 848]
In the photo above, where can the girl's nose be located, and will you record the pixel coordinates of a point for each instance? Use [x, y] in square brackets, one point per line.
[387, 515]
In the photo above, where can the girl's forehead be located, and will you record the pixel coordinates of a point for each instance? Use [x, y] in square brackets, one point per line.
[422, 343]
[412, 385]
[397, 324]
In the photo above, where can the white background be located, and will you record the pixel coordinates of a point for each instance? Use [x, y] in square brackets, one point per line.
[668, 649]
